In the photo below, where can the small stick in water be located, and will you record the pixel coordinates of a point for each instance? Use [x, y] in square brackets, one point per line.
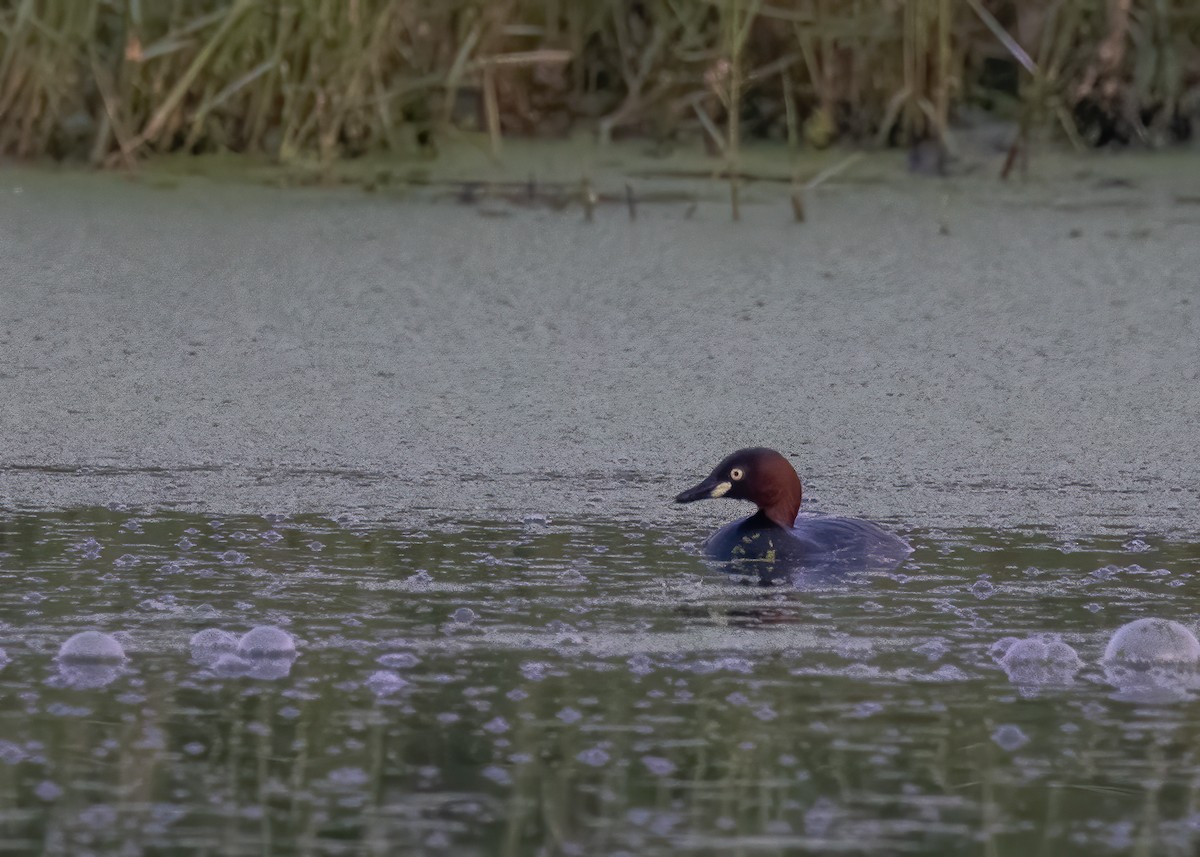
[798, 204]
[630, 201]
[588, 195]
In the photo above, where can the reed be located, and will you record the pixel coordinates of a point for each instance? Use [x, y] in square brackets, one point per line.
[115, 81]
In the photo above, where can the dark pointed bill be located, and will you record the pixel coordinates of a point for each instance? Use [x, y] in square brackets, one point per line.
[713, 486]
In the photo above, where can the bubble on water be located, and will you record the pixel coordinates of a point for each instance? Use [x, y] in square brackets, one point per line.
[535, 521]
[208, 645]
[10, 753]
[736, 665]
[126, 561]
[594, 756]
[88, 545]
[194, 748]
[1010, 737]
[185, 544]
[1093, 607]
[232, 557]
[949, 672]
[497, 774]
[398, 660]
[347, 778]
[998, 649]
[231, 666]
[1041, 661]
[48, 791]
[820, 817]
[385, 683]
[658, 766]
[572, 575]
[1136, 546]
[1152, 660]
[447, 717]
[640, 664]
[569, 715]
[316, 546]
[271, 536]
[266, 641]
[1153, 641]
[934, 649]
[765, 713]
[497, 726]
[91, 647]
[534, 670]
[463, 616]
[983, 589]
[419, 579]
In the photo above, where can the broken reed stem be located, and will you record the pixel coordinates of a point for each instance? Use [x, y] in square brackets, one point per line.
[491, 108]
[734, 105]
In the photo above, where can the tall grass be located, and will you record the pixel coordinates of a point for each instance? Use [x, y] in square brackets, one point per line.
[116, 80]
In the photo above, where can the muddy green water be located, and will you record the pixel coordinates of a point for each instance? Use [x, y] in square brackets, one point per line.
[580, 686]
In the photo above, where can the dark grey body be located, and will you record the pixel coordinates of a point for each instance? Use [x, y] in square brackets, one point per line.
[816, 542]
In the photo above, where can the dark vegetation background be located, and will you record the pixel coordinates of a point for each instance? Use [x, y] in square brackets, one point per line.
[110, 81]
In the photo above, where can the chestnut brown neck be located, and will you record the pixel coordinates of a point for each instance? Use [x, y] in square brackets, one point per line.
[781, 502]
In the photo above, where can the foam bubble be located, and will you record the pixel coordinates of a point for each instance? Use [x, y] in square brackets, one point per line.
[1040, 661]
[1010, 737]
[208, 645]
[1153, 641]
[266, 641]
[91, 647]
[1152, 661]
[385, 683]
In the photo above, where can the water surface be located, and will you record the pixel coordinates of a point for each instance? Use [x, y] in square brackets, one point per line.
[580, 686]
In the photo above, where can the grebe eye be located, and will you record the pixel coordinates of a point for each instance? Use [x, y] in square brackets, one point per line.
[736, 474]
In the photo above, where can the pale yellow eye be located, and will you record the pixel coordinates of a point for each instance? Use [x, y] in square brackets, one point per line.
[736, 474]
